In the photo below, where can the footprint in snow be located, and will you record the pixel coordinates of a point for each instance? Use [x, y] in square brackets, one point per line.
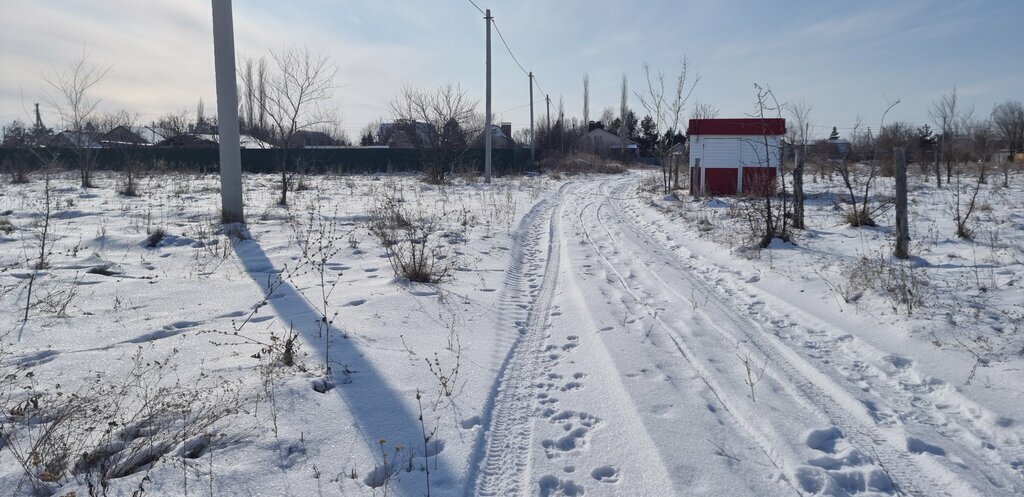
[572, 385]
[605, 474]
[918, 446]
[551, 485]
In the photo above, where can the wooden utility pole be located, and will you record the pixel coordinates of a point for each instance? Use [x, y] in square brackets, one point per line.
[227, 113]
[488, 132]
[532, 136]
[798, 189]
[902, 249]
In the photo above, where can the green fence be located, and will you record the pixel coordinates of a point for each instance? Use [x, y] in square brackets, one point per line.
[339, 160]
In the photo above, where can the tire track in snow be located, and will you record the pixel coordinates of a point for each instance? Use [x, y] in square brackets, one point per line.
[811, 389]
[899, 400]
[501, 463]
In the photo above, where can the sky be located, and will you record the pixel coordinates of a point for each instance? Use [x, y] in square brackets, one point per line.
[843, 59]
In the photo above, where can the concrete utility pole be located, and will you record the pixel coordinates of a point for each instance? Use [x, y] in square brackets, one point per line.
[227, 113]
[39, 119]
[488, 132]
[547, 98]
[531, 122]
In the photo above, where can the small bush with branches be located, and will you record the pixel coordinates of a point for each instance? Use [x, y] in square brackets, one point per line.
[411, 239]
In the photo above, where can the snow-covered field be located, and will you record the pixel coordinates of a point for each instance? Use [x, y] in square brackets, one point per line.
[590, 338]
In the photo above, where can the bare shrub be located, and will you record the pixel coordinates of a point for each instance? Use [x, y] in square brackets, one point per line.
[904, 286]
[5, 225]
[585, 164]
[18, 170]
[155, 237]
[965, 200]
[411, 240]
[111, 427]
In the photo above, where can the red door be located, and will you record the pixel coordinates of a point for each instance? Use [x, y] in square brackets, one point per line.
[720, 180]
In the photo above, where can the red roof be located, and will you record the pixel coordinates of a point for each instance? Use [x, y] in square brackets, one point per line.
[770, 127]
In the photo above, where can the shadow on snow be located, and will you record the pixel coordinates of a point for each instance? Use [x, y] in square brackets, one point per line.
[376, 407]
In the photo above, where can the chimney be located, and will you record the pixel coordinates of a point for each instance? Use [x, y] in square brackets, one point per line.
[506, 128]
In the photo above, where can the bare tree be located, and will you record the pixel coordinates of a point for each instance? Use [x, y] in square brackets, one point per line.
[624, 115]
[586, 104]
[667, 111]
[75, 103]
[110, 120]
[175, 123]
[607, 117]
[982, 136]
[799, 138]
[858, 181]
[451, 113]
[773, 218]
[951, 119]
[703, 110]
[298, 87]
[1008, 122]
[254, 97]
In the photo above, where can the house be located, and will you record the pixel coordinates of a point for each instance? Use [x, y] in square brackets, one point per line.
[604, 142]
[310, 139]
[501, 137]
[830, 149]
[76, 139]
[121, 136]
[210, 141]
[405, 133]
[187, 141]
[735, 156]
[154, 135]
[244, 141]
[1005, 155]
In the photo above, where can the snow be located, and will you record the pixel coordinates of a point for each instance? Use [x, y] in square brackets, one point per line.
[592, 339]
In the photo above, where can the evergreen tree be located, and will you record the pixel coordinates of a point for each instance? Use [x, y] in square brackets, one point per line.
[367, 139]
[834, 135]
[648, 134]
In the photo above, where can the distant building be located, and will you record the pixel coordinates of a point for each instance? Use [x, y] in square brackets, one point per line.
[606, 143]
[308, 139]
[187, 141]
[501, 137]
[154, 135]
[210, 141]
[76, 139]
[407, 134]
[121, 136]
[831, 149]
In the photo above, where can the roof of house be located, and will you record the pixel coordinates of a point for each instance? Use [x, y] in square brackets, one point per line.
[601, 136]
[77, 139]
[407, 134]
[121, 135]
[245, 141]
[154, 135]
[737, 126]
[498, 138]
[307, 138]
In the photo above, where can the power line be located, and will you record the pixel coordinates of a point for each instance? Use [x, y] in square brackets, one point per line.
[477, 7]
[520, 107]
[538, 84]
[509, 49]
